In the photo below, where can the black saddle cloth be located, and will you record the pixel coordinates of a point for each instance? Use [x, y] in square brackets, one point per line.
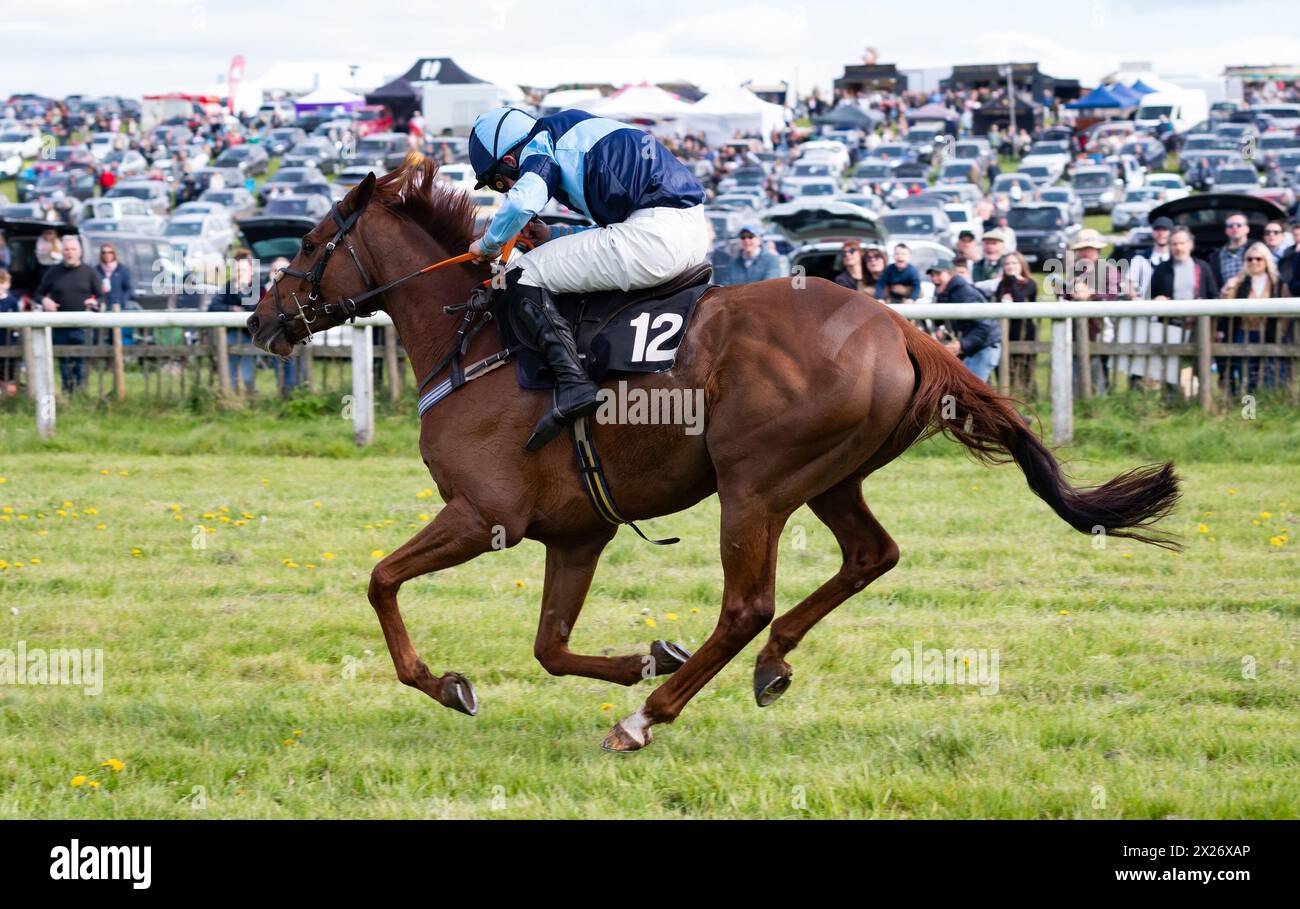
[616, 330]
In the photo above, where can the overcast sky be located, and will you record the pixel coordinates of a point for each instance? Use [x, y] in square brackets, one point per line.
[139, 46]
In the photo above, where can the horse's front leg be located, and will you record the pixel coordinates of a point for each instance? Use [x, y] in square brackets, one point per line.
[456, 535]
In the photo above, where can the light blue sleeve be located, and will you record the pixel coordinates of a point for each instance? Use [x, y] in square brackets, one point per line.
[524, 200]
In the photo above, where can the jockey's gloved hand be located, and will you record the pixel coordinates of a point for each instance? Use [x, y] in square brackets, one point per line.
[482, 253]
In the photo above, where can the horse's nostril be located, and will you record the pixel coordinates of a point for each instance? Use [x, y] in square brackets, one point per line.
[253, 323]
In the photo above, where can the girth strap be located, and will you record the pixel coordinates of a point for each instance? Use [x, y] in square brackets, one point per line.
[597, 488]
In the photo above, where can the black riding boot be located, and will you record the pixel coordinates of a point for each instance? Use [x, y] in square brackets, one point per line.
[575, 393]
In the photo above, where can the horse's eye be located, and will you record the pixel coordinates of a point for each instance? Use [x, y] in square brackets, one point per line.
[308, 246]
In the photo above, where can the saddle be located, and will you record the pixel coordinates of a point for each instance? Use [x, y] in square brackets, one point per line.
[616, 330]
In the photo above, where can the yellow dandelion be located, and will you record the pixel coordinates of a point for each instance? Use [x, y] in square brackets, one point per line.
[78, 781]
[3, 481]
[369, 527]
[34, 561]
[8, 509]
[670, 616]
[174, 507]
[61, 513]
[90, 511]
[290, 564]
[424, 494]
[101, 526]
[376, 553]
[105, 471]
[1064, 612]
[519, 584]
[124, 473]
[42, 533]
[423, 516]
[18, 564]
[1275, 541]
[1214, 539]
[1255, 522]
[1232, 492]
[1266, 515]
[246, 516]
[1202, 528]
[240, 523]
[607, 706]
[313, 505]
[67, 503]
[297, 732]
[695, 610]
[178, 517]
[327, 555]
[264, 482]
[651, 622]
[22, 517]
[93, 784]
[1129, 555]
[291, 741]
[4, 517]
[136, 552]
[208, 516]
[311, 564]
[113, 764]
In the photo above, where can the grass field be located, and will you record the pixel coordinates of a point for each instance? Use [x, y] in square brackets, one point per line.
[244, 674]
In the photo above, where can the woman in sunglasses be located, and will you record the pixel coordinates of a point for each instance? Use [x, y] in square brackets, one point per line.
[1258, 280]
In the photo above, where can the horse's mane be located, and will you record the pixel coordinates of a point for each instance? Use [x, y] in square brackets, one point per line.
[412, 191]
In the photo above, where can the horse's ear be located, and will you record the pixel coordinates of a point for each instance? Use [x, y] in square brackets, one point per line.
[360, 196]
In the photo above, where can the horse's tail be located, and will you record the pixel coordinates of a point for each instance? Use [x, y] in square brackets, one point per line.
[950, 399]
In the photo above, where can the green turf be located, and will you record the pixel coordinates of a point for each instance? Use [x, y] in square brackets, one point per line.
[1124, 687]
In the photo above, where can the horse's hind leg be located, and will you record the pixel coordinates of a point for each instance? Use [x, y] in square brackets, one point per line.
[868, 553]
[570, 564]
[456, 535]
[750, 534]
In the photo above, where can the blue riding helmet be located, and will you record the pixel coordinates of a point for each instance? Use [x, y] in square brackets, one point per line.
[495, 133]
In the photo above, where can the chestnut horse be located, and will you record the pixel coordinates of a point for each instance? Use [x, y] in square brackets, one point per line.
[808, 388]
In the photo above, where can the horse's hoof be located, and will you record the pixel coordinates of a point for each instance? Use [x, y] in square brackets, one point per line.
[458, 694]
[770, 683]
[631, 734]
[668, 657]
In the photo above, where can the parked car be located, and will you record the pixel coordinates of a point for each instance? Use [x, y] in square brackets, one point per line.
[236, 200]
[807, 172]
[102, 143]
[1148, 150]
[1053, 155]
[286, 180]
[349, 177]
[1043, 230]
[197, 232]
[1017, 186]
[1131, 210]
[125, 163]
[373, 118]
[317, 153]
[21, 141]
[1067, 198]
[908, 224]
[870, 173]
[384, 151]
[292, 205]
[1098, 187]
[959, 170]
[1236, 178]
[1204, 215]
[130, 224]
[895, 153]
[1174, 185]
[817, 229]
[249, 158]
[153, 193]
[283, 138]
[157, 267]
[77, 184]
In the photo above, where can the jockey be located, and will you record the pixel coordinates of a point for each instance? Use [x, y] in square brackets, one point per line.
[650, 226]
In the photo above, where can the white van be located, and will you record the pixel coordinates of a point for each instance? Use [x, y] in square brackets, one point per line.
[1184, 108]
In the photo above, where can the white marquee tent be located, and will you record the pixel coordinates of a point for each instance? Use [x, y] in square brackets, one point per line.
[723, 113]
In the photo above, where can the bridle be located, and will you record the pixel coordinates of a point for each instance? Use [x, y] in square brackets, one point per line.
[348, 308]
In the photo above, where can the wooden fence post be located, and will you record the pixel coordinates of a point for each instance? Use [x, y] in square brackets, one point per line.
[29, 361]
[1205, 377]
[363, 385]
[390, 364]
[1062, 381]
[42, 377]
[1085, 358]
[223, 362]
[119, 361]
[1004, 364]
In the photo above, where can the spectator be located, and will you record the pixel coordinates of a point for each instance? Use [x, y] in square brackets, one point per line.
[978, 342]
[1091, 278]
[1161, 228]
[8, 365]
[1259, 280]
[288, 377]
[874, 261]
[70, 286]
[241, 295]
[116, 286]
[989, 265]
[854, 274]
[1183, 277]
[1018, 286]
[1231, 257]
[900, 281]
[753, 263]
[966, 245]
[1275, 240]
[49, 250]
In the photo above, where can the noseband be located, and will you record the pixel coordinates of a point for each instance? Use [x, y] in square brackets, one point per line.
[346, 308]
